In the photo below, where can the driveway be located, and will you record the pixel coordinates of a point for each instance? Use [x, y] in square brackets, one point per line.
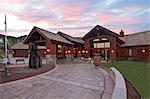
[72, 81]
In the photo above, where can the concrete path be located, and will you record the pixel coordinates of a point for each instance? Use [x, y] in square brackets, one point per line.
[72, 81]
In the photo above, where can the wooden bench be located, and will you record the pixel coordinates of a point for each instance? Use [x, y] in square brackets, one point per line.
[20, 60]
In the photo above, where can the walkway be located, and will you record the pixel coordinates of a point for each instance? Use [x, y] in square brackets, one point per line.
[72, 81]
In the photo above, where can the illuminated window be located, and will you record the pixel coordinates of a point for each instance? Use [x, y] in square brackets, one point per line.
[95, 40]
[102, 45]
[104, 39]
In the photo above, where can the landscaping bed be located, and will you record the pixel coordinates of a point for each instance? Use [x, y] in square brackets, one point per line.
[21, 73]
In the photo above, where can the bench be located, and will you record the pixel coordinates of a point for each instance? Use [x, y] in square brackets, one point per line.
[20, 60]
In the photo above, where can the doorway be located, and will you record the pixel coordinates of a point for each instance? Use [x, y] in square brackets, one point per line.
[105, 54]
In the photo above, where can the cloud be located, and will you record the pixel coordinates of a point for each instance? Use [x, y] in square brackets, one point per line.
[72, 15]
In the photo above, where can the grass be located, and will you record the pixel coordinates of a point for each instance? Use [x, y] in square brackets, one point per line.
[137, 72]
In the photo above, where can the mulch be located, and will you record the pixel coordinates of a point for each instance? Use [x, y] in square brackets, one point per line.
[21, 74]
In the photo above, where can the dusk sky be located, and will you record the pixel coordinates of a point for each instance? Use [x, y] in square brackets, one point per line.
[74, 17]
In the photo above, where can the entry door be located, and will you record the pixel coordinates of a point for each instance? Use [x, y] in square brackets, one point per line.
[105, 54]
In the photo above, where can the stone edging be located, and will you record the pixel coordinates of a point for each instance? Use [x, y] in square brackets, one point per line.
[120, 91]
[20, 80]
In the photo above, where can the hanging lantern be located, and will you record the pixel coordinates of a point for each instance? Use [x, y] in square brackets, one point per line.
[83, 51]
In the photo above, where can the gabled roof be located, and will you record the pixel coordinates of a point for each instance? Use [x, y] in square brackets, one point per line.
[70, 38]
[20, 45]
[136, 39]
[99, 29]
[48, 35]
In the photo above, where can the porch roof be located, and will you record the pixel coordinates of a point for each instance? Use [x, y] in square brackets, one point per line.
[22, 46]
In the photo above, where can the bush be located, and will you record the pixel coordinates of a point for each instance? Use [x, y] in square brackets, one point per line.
[122, 58]
[61, 57]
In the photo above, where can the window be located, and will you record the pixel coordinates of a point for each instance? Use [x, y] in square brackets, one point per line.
[95, 40]
[130, 52]
[102, 45]
[104, 39]
[1, 40]
[107, 45]
[59, 48]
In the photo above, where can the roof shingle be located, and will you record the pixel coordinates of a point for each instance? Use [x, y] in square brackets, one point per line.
[136, 39]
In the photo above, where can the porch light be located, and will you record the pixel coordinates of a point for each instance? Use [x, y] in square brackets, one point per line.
[79, 52]
[143, 51]
[12, 52]
[86, 51]
[68, 51]
[45, 52]
[83, 51]
[112, 51]
[48, 50]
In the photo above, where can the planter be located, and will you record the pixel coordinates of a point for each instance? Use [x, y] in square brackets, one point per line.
[97, 60]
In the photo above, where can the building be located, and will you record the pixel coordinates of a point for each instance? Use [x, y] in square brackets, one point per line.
[103, 42]
[77, 41]
[136, 46]
[56, 45]
[113, 46]
[21, 50]
[99, 41]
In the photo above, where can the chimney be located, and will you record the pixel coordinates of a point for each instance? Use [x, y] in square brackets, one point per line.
[121, 33]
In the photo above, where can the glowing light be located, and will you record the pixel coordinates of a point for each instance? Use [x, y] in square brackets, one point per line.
[68, 51]
[45, 52]
[83, 51]
[13, 52]
[143, 51]
[112, 51]
[86, 51]
[48, 50]
[79, 52]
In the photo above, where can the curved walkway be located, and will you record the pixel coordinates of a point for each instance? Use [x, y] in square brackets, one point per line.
[72, 81]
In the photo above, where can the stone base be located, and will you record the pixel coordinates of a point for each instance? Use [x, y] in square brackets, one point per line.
[51, 59]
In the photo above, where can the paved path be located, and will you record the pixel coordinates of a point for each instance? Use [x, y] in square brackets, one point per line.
[72, 81]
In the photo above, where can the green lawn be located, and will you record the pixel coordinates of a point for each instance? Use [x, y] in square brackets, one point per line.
[137, 72]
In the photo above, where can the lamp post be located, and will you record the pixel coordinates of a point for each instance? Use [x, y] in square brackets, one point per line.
[5, 60]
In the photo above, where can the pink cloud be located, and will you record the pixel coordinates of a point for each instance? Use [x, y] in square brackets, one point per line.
[107, 18]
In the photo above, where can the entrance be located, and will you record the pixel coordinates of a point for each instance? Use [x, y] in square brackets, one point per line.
[105, 54]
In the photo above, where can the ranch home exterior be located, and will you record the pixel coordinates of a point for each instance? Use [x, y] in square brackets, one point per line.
[56, 45]
[99, 41]
[113, 46]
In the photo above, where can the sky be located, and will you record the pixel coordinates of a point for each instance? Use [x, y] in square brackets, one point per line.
[74, 17]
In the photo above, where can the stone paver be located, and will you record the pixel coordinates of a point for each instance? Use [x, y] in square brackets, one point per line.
[72, 81]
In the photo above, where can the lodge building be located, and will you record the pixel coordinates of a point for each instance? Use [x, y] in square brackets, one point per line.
[99, 41]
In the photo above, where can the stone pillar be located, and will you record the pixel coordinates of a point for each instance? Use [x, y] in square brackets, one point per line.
[51, 52]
